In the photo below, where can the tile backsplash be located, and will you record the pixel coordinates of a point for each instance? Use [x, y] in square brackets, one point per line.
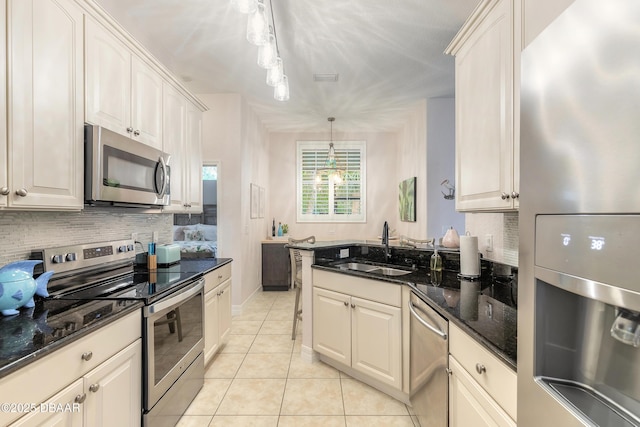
[23, 231]
[504, 229]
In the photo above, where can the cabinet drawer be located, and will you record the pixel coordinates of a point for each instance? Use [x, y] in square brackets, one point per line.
[54, 372]
[370, 289]
[499, 381]
[217, 276]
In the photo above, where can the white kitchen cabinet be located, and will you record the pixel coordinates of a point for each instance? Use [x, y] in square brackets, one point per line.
[67, 398]
[469, 404]
[4, 170]
[217, 310]
[123, 93]
[182, 130]
[487, 55]
[357, 332]
[107, 366]
[43, 167]
[113, 390]
[482, 389]
[193, 146]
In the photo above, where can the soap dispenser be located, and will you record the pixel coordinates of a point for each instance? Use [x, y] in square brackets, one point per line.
[436, 261]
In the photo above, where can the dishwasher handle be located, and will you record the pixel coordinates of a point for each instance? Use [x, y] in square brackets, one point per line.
[435, 330]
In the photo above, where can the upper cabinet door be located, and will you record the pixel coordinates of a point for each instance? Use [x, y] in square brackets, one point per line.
[487, 50]
[45, 99]
[193, 165]
[4, 178]
[146, 103]
[174, 114]
[108, 71]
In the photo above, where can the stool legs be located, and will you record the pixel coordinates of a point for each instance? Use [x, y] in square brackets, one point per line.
[297, 312]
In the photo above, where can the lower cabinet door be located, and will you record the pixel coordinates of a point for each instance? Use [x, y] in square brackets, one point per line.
[65, 409]
[376, 334]
[469, 404]
[114, 390]
[332, 325]
[211, 324]
[224, 311]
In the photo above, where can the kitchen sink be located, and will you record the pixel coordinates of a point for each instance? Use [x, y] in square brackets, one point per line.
[388, 271]
[358, 266]
[368, 268]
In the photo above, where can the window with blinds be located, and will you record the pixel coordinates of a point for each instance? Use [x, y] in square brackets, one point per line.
[323, 196]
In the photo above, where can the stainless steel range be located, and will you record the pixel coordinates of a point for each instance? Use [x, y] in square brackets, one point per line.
[173, 361]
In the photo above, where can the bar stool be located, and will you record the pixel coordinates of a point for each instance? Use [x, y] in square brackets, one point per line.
[296, 278]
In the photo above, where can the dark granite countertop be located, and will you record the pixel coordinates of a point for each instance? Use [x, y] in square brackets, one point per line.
[54, 323]
[485, 308]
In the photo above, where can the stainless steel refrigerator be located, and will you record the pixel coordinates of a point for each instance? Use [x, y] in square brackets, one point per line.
[579, 266]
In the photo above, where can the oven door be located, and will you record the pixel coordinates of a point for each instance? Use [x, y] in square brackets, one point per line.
[173, 339]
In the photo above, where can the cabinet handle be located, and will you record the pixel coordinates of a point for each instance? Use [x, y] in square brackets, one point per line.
[94, 387]
[5, 191]
[129, 129]
[480, 369]
[448, 371]
[505, 196]
[80, 398]
[136, 132]
[87, 356]
[353, 306]
[219, 276]
[346, 304]
[515, 195]
[22, 192]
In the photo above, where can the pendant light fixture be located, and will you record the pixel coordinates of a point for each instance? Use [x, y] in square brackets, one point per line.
[257, 26]
[331, 169]
[281, 91]
[267, 53]
[263, 35]
[275, 73]
[245, 6]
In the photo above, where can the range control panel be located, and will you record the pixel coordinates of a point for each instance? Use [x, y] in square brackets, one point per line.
[65, 259]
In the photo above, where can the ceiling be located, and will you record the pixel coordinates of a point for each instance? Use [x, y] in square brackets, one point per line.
[388, 55]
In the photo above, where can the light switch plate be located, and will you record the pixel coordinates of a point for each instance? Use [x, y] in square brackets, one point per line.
[488, 242]
[344, 253]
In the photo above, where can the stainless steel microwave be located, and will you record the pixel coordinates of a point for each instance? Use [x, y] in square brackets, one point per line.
[120, 171]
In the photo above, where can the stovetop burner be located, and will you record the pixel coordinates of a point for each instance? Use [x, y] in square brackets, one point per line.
[106, 271]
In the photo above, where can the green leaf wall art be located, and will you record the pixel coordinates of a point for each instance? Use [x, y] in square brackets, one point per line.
[407, 200]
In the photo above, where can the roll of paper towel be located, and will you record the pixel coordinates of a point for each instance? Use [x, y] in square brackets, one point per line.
[469, 256]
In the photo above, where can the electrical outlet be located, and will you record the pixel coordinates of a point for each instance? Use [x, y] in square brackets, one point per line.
[488, 242]
[154, 236]
[134, 236]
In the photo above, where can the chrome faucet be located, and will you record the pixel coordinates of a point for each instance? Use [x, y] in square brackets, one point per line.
[385, 241]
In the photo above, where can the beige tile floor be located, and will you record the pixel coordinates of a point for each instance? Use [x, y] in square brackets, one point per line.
[258, 379]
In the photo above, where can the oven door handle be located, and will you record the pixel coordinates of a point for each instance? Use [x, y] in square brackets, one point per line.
[176, 298]
[412, 309]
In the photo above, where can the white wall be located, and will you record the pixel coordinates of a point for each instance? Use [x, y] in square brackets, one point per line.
[235, 139]
[411, 161]
[382, 185]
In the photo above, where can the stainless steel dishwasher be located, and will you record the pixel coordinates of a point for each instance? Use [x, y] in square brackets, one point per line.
[429, 381]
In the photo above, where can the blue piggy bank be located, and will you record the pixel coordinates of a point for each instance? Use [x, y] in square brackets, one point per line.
[17, 286]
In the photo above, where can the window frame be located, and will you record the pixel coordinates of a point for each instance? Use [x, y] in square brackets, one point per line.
[331, 217]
